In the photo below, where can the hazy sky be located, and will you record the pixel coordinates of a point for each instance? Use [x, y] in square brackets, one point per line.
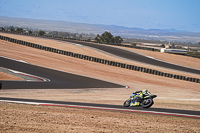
[147, 14]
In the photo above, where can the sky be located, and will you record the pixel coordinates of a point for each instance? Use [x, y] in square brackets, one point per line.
[148, 14]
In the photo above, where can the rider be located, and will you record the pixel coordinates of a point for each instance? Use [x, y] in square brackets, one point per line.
[138, 95]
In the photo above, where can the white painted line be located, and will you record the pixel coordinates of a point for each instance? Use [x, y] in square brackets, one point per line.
[15, 59]
[29, 75]
[15, 71]
[151, 57]
[21, 102]
[79, 45]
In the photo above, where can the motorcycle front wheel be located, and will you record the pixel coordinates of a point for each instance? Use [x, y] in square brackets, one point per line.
[127, 103]
[147, 103]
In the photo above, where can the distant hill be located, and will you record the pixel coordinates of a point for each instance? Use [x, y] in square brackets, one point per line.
[125, 32]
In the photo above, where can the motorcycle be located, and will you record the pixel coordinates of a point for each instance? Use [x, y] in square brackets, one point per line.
[145, 102]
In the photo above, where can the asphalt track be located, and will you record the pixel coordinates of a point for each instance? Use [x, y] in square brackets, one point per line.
[136, 57]
[160, 111]
[58, 79]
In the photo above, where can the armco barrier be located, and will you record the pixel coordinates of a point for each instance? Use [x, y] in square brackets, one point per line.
[102, 61]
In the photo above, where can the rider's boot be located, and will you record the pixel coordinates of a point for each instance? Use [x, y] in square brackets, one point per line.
[135, 104]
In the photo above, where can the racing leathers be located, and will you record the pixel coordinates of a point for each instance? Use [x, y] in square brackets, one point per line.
[137, 95]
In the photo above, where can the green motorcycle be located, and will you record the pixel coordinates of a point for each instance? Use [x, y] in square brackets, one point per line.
[145, 102]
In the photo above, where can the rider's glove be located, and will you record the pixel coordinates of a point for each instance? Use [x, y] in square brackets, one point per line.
[132, 95]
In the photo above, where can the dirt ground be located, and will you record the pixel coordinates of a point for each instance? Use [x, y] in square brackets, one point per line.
[5, 76]
[171, 93]
[28, 118]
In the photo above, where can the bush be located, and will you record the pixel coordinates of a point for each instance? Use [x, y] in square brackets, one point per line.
[108, 38]
[41, 33]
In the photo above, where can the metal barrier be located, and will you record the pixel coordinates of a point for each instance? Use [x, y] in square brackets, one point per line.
[102, 61]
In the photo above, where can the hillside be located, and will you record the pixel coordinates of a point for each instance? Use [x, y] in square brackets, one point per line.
[125, 32]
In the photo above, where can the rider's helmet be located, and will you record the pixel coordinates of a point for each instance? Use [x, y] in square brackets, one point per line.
[144, 91]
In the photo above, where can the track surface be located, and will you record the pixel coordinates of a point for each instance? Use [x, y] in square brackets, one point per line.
[58, 79]
[136, 57]
[172, 112]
